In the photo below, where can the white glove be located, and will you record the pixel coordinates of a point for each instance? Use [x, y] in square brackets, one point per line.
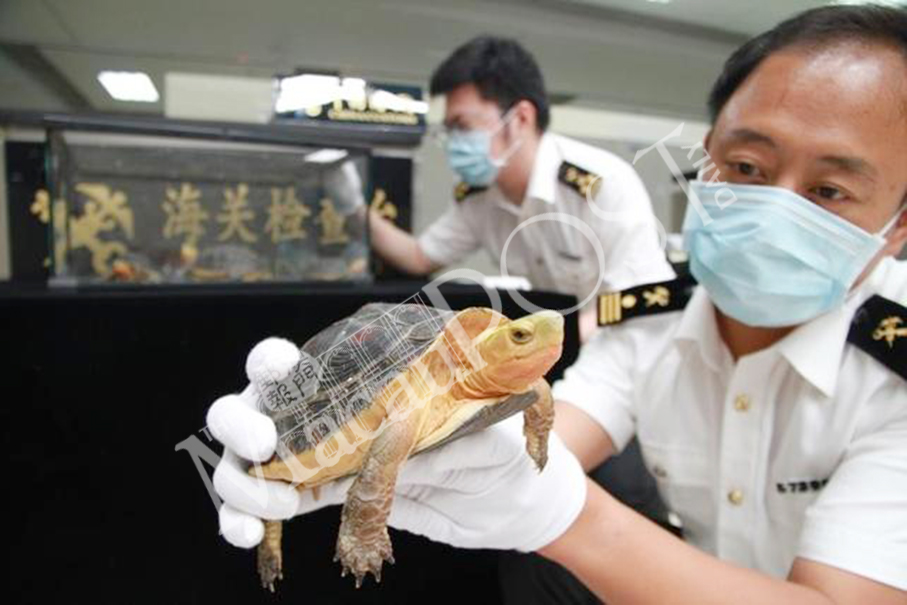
[344, 186]
[481, 491]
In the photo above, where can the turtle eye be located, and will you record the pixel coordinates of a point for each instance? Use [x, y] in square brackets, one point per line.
[520, 335]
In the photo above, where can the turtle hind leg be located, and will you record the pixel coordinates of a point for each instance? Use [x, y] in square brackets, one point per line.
[270, 555]
[360, 554]
[537, 422]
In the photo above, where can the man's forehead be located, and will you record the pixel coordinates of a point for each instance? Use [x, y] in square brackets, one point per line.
[828, 87]
[845, 101]
[470, 112]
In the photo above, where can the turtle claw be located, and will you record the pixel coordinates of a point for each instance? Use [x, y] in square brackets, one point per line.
[363, 556]
[537, 448]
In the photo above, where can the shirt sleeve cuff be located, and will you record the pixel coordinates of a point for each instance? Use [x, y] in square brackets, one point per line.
[614, 420]
[826, 540]
[434, 250]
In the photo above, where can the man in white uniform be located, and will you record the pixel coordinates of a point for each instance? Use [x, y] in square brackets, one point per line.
[513, 171]
[770, 400]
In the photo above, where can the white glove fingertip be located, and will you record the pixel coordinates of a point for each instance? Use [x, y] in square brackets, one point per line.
[271, 359]
[262, 498]
[240, 529]
[249, 433]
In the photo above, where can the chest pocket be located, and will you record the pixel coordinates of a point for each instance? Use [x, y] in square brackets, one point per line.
[684, 478]
[787, 500]
[571, 267]
[568, 268]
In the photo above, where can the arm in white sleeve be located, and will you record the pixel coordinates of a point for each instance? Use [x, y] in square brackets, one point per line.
[450, 238]
[859, 522]
[632, 237]
[600, 384]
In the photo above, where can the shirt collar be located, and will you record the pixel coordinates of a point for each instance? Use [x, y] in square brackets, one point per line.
[548, 159]
[698, 326]
[815, 348]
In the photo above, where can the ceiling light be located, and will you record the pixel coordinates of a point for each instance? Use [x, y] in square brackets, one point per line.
[129, 86]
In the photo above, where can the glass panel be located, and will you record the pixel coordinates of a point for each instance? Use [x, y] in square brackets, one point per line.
[170, 210]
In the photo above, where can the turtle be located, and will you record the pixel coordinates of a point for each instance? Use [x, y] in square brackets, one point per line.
[393, 381]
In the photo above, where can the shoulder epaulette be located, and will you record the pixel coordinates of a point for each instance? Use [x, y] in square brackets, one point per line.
[464, 190]
[648, 299]
[879, 328]
[584, 182]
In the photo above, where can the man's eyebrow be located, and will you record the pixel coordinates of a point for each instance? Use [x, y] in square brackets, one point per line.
[747, 135]
[851, 164]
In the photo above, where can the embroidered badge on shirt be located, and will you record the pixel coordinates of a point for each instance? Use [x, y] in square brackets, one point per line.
[584, 182]
[464, 190]
[660, 297]
[889, 331]
[878, 330]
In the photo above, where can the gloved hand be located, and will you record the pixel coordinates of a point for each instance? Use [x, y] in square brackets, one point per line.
[344, 186]
[481, 491]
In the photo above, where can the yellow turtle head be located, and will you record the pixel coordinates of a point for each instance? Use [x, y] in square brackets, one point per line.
[517, 353]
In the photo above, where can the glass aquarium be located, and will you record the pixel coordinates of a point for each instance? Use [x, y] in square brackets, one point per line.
[169, 210]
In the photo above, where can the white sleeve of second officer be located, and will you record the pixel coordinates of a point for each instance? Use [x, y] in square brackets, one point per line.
[627, 228]
[450, 238]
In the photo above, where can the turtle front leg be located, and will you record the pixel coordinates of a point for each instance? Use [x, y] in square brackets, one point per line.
[537, 422]
[363, 543]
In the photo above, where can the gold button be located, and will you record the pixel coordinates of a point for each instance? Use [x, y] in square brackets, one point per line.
[735, 497]
[659, 471]
[742, 403]
[628, 301]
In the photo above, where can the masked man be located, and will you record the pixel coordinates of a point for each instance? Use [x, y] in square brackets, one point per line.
[770, 400]
[513, 171]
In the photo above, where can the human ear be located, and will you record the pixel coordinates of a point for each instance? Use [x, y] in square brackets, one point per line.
[526, 115]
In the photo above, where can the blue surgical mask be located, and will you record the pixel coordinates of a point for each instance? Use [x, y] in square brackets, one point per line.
[769, 257]
[469, 155]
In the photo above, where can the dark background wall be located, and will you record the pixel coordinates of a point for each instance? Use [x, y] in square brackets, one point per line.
[106, 383]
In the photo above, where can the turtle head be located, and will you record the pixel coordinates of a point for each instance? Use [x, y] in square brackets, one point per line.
[518, 352]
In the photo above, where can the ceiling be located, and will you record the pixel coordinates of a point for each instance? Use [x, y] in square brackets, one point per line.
[732, 16]
[629, 55]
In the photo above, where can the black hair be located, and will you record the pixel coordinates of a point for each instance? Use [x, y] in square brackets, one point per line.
[502, 70]
[816, 28]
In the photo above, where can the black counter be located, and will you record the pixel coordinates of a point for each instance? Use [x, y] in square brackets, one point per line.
[106, 383]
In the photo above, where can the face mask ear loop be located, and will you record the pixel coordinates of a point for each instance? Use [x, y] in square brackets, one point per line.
[501, 161]
[883, 232]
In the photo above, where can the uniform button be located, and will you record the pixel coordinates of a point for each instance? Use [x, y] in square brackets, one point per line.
[742, 403]
[735, 497]
[539, 261]
[659, 471]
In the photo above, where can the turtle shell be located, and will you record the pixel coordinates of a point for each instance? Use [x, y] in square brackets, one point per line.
[345, 366]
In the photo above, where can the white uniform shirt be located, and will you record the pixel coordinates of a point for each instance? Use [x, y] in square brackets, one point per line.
[552, 255]
[798, 450]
